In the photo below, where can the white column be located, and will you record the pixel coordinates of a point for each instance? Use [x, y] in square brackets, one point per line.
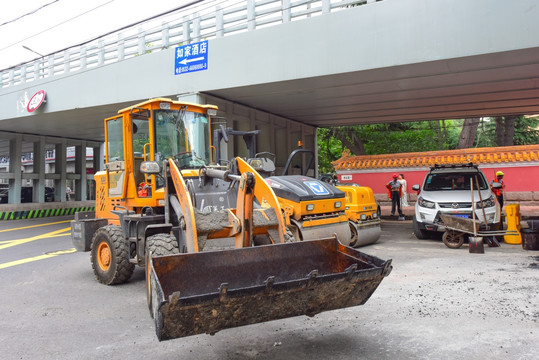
[165, 36]
[141, 41]
[251, 16]
[286, 11]
[219, 22]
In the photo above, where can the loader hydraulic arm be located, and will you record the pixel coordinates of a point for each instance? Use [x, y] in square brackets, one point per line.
[243, 222]
[186, 207]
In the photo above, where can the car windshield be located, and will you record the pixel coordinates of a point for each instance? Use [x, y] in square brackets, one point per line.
[453, 181]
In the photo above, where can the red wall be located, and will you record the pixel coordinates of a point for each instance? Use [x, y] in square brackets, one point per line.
[523, 178]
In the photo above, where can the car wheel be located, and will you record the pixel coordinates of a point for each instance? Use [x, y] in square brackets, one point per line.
[419, 233]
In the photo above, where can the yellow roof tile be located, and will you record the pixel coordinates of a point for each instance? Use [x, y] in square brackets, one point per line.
[521, 153]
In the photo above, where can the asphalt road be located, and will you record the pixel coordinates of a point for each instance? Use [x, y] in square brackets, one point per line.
[437, 303]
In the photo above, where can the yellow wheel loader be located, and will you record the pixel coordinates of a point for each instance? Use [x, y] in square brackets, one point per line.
[161, 198]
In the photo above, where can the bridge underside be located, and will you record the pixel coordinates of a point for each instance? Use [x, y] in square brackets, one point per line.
[495, 84]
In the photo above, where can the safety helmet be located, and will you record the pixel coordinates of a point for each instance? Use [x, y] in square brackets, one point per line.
[499, 173]
[395, 175]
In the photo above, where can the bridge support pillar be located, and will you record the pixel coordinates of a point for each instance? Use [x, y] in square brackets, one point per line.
[60, 169]
[38, 184]
[15, 181]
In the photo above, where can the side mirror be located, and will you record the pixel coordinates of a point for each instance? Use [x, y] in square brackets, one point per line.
[150, 167]
[416, 187]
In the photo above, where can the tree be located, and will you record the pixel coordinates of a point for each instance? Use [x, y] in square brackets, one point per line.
[329, 149]
[468, 132]
[505, 130]
[526, 130]
[349, 137]
[371, 139]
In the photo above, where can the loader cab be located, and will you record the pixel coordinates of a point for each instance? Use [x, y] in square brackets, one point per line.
[127, 146]
[154, 130]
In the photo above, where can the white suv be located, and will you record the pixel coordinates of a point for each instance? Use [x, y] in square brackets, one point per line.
[446, 190]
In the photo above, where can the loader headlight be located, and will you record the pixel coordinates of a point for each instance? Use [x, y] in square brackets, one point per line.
[363, 217]
[212, 112]
[256, 164]
[374, 215]
[337, 204]
[310, 207]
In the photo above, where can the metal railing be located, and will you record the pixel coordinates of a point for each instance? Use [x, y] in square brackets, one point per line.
[202, 21]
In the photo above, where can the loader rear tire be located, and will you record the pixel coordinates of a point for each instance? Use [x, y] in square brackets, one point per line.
[110, 256]
[157, 245]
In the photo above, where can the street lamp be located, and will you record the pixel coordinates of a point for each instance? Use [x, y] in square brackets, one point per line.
[40, 65]
[35, 52]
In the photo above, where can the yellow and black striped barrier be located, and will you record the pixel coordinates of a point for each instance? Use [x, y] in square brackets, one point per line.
[39, 213]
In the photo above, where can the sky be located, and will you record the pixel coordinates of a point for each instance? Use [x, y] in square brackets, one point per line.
[59, 24]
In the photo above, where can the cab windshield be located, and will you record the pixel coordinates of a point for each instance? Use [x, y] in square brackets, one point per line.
[453, 181]
[183, 135]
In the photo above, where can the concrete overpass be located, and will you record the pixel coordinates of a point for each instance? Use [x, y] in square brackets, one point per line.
[322, 63]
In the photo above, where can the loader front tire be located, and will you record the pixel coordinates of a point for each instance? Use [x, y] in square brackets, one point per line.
[157, 245]
[162, 244]
[110, 256]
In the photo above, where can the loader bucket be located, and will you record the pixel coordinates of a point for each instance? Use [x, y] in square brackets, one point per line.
[211, 291]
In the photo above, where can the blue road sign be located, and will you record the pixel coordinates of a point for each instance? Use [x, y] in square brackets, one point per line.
[317, 188]
[192, 57]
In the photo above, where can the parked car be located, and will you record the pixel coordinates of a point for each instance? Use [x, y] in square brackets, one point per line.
[49, 194]
[446, 190]
[26, 194]
[3, 193]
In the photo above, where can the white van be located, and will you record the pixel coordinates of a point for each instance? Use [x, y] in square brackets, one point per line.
[446, 190]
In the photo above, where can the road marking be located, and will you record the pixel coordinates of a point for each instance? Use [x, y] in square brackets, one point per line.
[36, 258]
[9, 243]
[33, 226]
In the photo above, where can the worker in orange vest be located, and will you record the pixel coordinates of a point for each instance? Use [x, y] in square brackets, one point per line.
[394, 188]
[498, 192]
[144, 189]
